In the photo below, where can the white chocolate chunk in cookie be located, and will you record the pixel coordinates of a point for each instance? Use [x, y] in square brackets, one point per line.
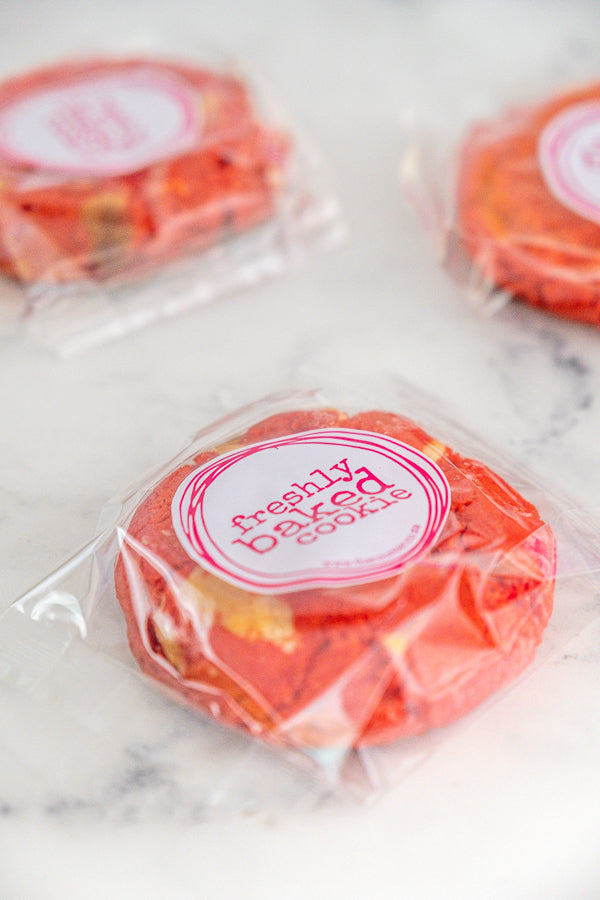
[249, 616]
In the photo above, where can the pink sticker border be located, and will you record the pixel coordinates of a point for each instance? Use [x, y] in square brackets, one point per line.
[190, 494]
[168, 83]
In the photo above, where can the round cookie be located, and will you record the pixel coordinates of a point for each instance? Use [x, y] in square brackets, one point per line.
[528, 205]
[134, 162]
[354, 664]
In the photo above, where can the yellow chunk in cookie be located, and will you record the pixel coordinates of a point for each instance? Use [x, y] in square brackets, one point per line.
[249, 616]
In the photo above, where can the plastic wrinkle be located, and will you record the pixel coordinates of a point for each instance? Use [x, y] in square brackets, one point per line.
[348, 666]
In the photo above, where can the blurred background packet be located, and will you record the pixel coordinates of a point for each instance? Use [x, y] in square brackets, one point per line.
[135, 185]
[329, 577]
[507, 190]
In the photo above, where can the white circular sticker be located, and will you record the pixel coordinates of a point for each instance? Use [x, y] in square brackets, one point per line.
[320, 508]
[569, 155]
[104, 124]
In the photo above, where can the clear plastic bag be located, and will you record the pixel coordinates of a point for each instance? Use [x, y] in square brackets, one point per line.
[135, 186]
[329, 579]
[511, 199]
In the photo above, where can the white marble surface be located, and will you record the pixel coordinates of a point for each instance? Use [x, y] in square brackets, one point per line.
[509, 805]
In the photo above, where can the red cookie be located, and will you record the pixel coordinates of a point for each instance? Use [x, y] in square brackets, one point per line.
[335, 660]
[528, 204]
[110, 166]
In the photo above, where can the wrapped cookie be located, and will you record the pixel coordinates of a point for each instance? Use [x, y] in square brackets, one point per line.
[117, 168]
[320, 578]
[334, 579]
[112, 165]
[513, 203]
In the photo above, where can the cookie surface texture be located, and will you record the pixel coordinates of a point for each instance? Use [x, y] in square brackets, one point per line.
[528, 204]
[359, 663]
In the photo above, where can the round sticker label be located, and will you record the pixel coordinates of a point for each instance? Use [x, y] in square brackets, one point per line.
[569, 155]
[321, 508]
[104, 124]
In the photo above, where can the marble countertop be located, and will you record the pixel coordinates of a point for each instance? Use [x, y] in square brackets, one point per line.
[508, 805]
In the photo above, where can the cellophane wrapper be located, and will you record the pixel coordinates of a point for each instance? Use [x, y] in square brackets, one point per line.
[136, 184]
[161, 668]
[505, 189]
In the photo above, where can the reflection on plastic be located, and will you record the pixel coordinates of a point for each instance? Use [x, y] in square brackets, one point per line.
[59, 606]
